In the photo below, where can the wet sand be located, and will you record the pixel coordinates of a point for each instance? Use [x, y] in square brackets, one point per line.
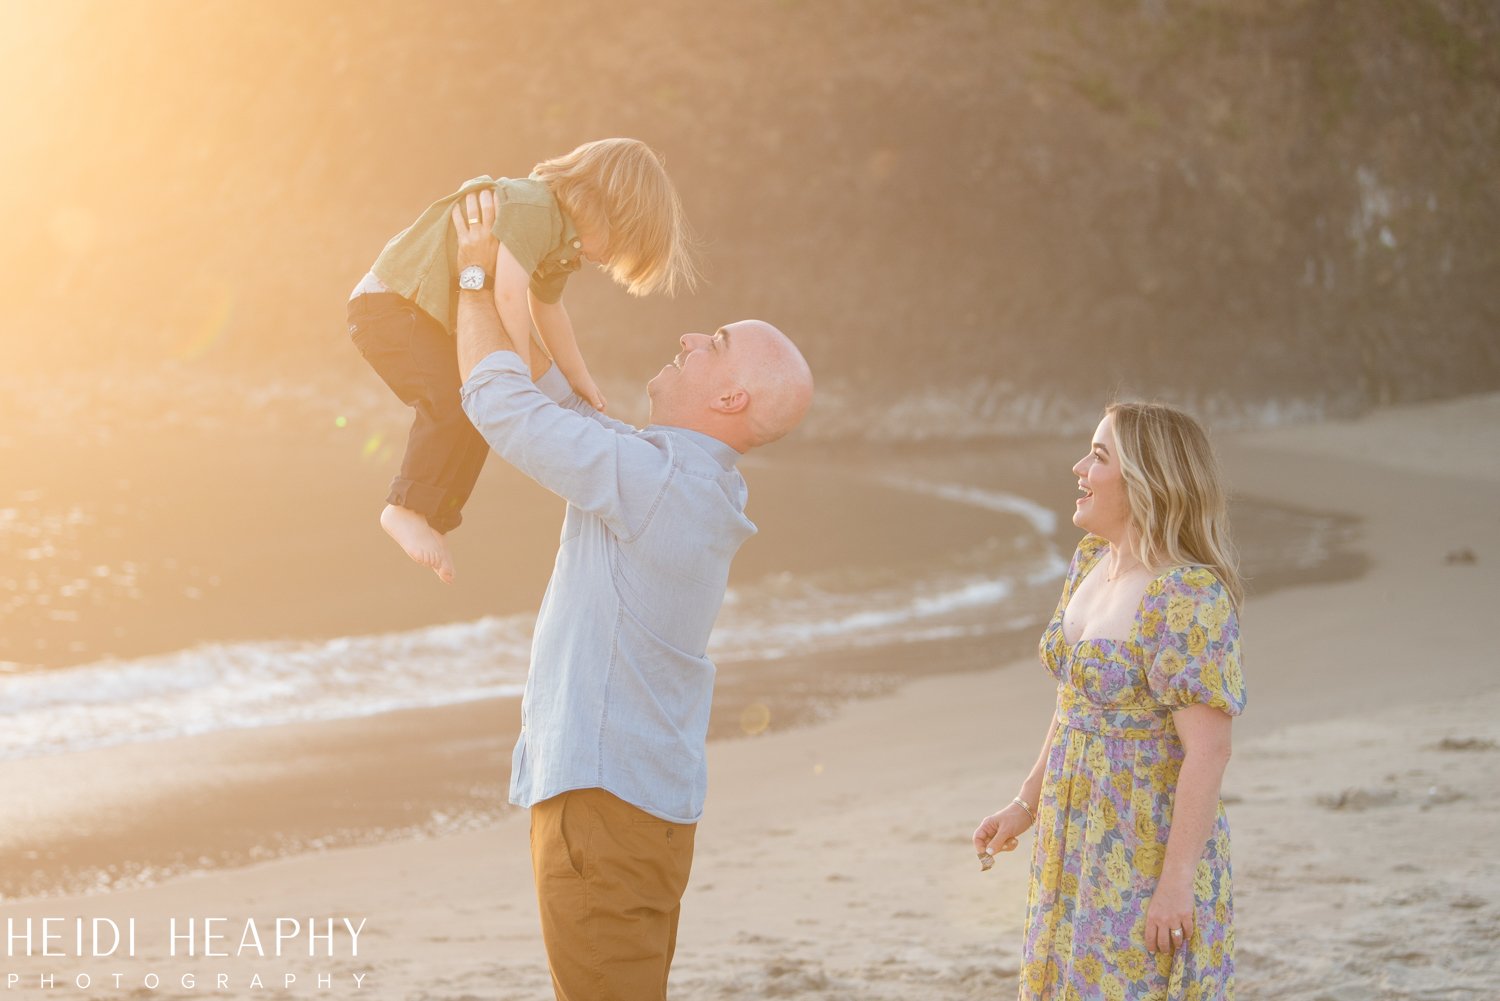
[833, 860]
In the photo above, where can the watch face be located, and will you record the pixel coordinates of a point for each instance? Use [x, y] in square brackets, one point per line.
[471, 277]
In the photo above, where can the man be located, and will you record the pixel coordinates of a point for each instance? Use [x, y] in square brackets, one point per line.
[611, 758]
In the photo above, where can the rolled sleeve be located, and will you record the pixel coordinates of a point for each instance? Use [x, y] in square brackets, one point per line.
[495, 363]
[554, 385]
[615, 474]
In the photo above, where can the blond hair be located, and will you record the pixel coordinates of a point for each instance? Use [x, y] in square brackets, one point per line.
[621, 186]
[1179, 511]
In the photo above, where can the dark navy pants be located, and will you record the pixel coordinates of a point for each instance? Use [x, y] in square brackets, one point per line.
[418, 359]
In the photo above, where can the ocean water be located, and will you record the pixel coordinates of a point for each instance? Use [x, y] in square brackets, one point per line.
[222, 685]
[213, 567]
[212, 563]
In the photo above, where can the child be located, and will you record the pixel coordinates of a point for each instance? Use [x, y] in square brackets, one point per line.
[609, 202]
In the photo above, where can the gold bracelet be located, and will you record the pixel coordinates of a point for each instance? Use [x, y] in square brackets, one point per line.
[1025, 806]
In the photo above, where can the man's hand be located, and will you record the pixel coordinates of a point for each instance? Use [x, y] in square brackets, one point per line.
[474, 228]
[474, 223]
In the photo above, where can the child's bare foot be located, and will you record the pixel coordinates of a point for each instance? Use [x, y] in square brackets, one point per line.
[422, 542]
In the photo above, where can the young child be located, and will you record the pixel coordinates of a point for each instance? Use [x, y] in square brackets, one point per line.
[609, 202]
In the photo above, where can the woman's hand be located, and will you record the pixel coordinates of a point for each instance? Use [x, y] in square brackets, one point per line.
[1171, 908]
[474, 223]
[1001, 832]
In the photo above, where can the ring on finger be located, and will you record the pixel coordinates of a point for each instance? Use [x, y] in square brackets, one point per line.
[1177, 933]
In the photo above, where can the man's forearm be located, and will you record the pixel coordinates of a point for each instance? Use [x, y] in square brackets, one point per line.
[479, 331]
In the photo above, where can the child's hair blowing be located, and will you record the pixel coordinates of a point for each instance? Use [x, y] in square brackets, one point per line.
[621, 187]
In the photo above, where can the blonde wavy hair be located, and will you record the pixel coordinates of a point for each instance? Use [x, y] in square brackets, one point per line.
[621, 186]
[1179, 510]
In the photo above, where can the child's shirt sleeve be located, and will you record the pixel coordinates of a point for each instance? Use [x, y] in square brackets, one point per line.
[531, 225]
[526, 229]
[548, 285]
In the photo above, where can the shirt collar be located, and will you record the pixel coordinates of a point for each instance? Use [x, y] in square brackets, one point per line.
[568, 244]
[721, 452]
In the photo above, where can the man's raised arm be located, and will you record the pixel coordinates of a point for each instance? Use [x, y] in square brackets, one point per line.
[607, 471]
[477, 326]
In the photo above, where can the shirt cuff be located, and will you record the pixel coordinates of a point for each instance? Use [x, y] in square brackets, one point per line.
[554, 384]
[494, 363]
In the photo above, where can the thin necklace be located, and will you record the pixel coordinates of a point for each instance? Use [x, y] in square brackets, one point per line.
[1117, 576]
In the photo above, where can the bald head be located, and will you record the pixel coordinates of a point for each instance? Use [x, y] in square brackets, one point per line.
[746, 384]
[779, 383]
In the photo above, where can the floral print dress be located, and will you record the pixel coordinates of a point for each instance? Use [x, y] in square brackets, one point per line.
[1106, 802]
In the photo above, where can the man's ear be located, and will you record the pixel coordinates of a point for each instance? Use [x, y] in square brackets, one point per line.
[732, 402]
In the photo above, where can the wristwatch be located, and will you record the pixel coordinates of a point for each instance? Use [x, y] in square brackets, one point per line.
[473, 278]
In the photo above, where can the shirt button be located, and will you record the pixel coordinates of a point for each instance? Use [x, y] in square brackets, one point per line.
[563, 260]
[577, 244]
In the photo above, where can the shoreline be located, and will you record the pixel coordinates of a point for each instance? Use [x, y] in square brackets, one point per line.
[834, 858]
[238, 796]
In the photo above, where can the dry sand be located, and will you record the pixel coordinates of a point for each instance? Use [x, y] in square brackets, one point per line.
[834, 860]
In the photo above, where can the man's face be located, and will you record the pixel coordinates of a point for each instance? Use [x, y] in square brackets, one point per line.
[745, 384]
[704, 368]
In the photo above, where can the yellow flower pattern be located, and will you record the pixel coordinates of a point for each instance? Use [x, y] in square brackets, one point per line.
[1180, 609]
[1106, 803]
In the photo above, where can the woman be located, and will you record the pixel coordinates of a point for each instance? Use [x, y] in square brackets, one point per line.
[1130, 894]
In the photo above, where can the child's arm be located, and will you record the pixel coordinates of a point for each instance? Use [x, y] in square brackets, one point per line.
[556, 328]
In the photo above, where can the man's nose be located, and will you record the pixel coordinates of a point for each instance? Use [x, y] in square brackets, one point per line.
[691, 341]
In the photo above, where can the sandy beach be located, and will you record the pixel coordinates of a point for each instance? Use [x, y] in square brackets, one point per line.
[248, 749]
[834, 859]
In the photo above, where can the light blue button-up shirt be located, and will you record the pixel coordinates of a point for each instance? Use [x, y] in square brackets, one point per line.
[619, 689]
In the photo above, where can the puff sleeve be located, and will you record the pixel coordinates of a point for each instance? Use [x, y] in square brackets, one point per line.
[1192, 639]
[525, 229]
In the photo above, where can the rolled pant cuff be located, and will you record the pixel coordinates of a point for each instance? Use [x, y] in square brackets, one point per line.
[435, 504]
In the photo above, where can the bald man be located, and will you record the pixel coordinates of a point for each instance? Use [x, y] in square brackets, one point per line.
[611, 759]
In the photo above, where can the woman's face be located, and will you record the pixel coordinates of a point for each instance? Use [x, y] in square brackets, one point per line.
[1104, 508]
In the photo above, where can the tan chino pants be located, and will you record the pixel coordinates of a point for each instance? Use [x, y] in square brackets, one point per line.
[609, 884]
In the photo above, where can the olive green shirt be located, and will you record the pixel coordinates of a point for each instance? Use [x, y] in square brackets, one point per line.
[420, 262]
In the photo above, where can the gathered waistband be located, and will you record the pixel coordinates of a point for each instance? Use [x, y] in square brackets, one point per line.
[1078, 713]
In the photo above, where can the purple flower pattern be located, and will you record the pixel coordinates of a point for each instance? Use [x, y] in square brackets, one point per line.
[1106, 802]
